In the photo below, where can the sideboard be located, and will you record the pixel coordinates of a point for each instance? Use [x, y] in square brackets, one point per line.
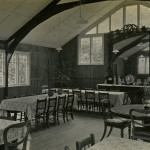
[135, 91]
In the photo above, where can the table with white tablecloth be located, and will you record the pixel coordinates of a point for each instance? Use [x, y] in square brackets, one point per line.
[116, 98]
[117, 143]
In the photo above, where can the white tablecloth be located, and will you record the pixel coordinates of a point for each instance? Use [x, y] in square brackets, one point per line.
[116, 143]
[116, 98]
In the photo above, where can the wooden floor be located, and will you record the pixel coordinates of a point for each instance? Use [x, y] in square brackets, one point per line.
[56, 137]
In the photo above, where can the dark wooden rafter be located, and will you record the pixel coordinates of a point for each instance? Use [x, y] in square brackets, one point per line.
[52, 9]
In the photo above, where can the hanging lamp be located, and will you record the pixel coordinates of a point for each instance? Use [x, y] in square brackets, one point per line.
[59, 48]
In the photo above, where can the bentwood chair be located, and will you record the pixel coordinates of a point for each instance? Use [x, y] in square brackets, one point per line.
[8, 145]
[141, 128]
[69, 106]
[51, 110]
[61, 107]
[90, 100]
[85, 143]
[113, 122]
[40, 112]
[79, 96]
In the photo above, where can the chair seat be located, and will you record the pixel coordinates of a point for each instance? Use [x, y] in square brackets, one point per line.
[118, 120]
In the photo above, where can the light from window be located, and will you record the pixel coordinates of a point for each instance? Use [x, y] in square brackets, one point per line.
[144, 14]
[143, 65]
[1, 68]
[103, 27]
[97, 51]
[131, 14]
[18, 69]
[91, 51]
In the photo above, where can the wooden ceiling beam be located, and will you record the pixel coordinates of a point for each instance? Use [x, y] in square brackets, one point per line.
[52, 9]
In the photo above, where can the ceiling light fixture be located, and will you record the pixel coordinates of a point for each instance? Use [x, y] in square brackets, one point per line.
[115, 51]
[59, 48]
[82, 20]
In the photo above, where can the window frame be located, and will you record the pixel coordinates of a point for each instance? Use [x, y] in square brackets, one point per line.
[17, 69]
[79, 48]
[145, 57]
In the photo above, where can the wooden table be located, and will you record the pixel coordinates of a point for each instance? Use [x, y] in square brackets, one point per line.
[13, 134]
[123, 111]
[116, 143]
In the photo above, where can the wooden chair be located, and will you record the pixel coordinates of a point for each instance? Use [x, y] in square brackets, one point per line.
[69, 106]
[79, 101]
[112, 122]
[66, 91]
[126, 99]
[51, 110]
[61, 106]
[40, 112]
[101, 96]
[141, 128]
[13, 145]
[90, 100]
[87, 142]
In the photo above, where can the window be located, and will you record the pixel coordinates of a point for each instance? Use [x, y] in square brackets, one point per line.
[143, 65]
[91, 51]
[18, 70]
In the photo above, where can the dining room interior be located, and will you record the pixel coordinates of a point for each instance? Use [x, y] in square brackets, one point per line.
[74, 74]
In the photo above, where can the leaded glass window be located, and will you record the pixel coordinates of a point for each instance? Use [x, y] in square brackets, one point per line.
[12, 70]
[97, 52]
[23, 69]
[91, 51]
[1, 68]
[143, 65]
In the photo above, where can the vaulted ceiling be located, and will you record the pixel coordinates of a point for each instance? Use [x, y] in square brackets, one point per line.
[15, 13]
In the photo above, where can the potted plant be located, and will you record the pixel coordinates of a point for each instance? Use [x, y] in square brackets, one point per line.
[48, 74]
[62, 75]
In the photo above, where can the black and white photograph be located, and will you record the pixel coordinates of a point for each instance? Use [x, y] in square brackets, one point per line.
[74, 75]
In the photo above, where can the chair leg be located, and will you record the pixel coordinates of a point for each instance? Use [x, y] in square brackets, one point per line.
[64, 116]
[129, 131]
[58, 117]
[72, 115]
[111, 128]
[67, 115]
[122, 133]
[104, 133]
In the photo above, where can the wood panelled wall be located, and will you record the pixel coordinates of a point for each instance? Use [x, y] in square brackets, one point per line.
[85, 75]
[38, 59]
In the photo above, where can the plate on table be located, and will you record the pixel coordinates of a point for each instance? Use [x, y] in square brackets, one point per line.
[129, 79]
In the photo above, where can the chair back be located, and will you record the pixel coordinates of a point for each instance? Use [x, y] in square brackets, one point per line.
[90, 95]
[141, 127]
[78, 93]
[85, 143]
[126, 98]
[143, 114]
[22, 127]
[41, 106]
[61, 102]
[52, 104]
[102, 96]
[66, 91]
[106, 109]
[70, 101]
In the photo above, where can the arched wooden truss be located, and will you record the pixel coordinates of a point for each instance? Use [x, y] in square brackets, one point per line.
[128, 31]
